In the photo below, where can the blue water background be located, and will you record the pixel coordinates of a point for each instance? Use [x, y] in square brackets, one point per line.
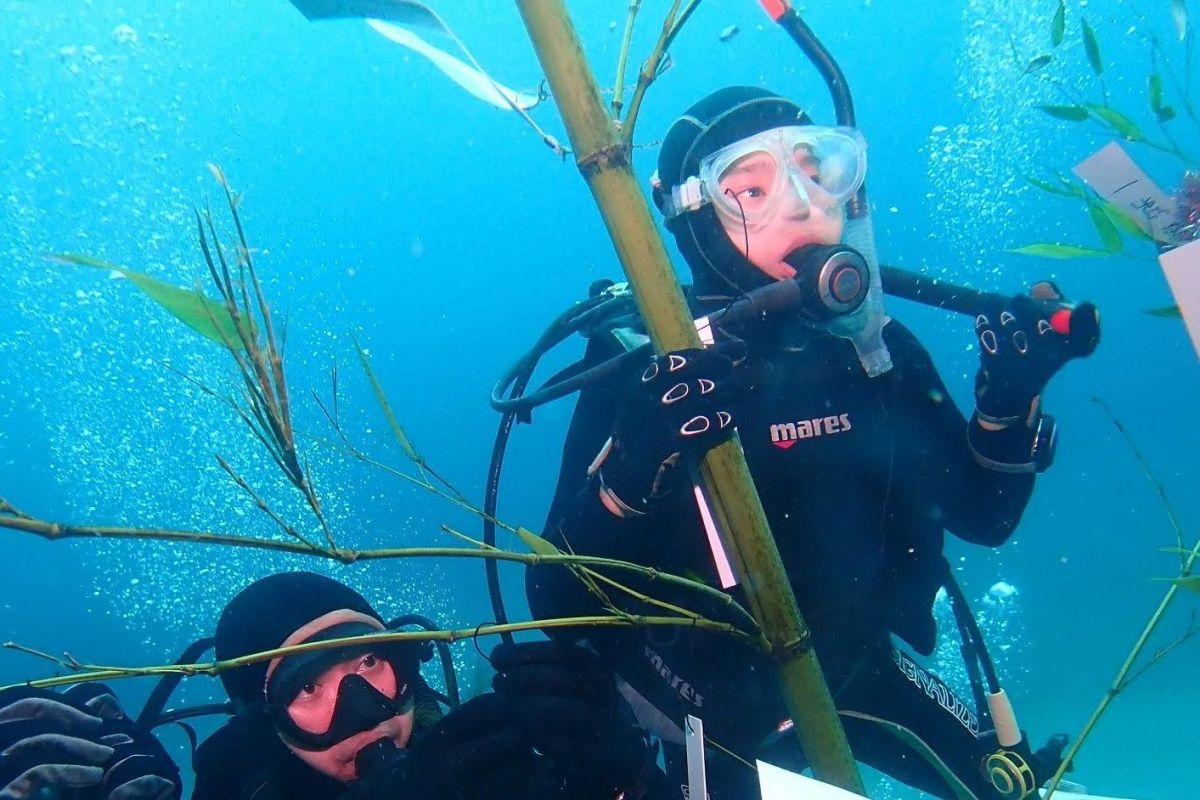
[389, 205]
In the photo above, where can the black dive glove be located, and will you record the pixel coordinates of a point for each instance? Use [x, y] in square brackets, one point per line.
[1023, 342]
[682, 405]
[78, 744]
[570, 708]
[478, 751]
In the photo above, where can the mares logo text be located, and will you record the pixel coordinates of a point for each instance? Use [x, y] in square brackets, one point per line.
[786, 434]
[677, 683]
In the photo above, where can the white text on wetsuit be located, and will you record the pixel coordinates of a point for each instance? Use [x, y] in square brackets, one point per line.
[786, 434]
[937, 691]
[681, 686]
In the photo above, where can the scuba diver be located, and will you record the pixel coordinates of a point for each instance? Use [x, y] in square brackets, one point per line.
[860, 455]
[355, 722]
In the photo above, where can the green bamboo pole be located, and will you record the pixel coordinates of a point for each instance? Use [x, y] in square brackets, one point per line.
[603, 159]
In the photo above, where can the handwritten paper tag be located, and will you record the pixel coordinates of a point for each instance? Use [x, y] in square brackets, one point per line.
[1113, 175]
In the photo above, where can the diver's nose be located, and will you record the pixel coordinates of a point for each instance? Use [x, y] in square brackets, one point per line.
[797, 203]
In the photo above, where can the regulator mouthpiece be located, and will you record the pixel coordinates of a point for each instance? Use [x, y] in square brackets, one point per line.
[843, 295]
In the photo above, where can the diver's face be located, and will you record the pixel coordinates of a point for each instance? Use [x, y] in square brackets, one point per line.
[312, 710]
[793, 222]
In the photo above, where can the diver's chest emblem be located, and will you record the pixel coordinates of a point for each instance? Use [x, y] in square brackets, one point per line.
[786, 434]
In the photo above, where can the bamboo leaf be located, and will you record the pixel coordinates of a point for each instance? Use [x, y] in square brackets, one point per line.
[1069, 113]
[1110, 237]
[1092, 46]
[1154, 91]
[1037, 63]
[1189, 582]
[1059, 24]
[405, 443]
[1179, 16]
[202, 314]
[536, 543]
[1124, 220]
[1165, 312]
[1062, 190]
[1120, 123]
[1054, 250]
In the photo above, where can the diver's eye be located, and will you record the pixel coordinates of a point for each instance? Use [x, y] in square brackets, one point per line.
[744, 193]
[308, 689]
[369, 661]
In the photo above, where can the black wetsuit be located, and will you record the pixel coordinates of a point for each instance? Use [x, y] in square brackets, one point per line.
[245, 760]
[860, 478]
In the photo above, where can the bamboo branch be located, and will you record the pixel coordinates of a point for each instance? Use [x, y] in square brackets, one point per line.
[7, 508]
[1158, 485]
[213, 668]
[648, 73]
[1122, 680]
[623, 59]
[262, 505]
[1192, 629]
[54, 531]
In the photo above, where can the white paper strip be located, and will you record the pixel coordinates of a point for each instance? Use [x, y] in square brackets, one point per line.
[1182, 268]
[469, 78]
[780, 784]
[693, 729]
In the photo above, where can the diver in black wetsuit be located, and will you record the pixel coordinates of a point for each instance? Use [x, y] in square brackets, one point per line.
[860, 475]
[356, 722]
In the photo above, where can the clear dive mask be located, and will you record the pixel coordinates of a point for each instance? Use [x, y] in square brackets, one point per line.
[747, 181]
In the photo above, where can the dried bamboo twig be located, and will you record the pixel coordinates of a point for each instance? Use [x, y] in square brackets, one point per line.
[262, 504]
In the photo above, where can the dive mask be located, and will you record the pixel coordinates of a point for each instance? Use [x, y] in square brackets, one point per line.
[746, 181]
[359, 705]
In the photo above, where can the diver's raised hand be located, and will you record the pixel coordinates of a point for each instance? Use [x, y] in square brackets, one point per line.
[681, 405]
[1023, 342]
[78, 742]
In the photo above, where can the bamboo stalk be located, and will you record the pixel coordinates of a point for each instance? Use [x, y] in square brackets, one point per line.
[603, 158]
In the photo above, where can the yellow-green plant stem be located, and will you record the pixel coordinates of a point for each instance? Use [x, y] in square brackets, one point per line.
[13, 519]
[647, 73]
[105, 673]
[623, 59]
[1118, 684]
[603, 158]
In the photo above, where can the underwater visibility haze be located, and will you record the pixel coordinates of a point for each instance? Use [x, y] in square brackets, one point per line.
[397, 218]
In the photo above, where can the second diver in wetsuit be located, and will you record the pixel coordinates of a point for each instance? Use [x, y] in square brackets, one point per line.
[860, 475]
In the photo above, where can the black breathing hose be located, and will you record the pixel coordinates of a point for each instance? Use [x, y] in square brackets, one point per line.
[443, 651]
[857, 206]
[152, 711]
[934, 292]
